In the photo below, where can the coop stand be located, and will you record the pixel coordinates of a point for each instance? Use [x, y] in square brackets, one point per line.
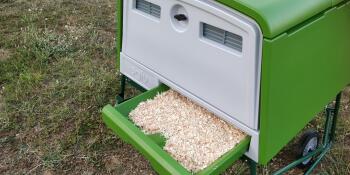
[123, 82]
[319, 153]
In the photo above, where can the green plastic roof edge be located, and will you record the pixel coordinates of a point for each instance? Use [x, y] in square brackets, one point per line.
[278, 16]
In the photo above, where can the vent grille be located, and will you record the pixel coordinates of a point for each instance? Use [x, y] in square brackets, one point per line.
[149, 8]
[223, 37]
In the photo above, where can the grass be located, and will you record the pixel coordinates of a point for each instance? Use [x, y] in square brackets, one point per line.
[57, 70]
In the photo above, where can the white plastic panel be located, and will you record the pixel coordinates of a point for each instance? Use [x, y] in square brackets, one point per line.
[218, 77]
[139, 74]
[224, 80]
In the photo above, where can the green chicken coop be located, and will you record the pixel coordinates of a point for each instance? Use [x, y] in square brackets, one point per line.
[265, 66]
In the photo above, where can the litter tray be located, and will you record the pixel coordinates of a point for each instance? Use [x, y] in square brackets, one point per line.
[151, 146]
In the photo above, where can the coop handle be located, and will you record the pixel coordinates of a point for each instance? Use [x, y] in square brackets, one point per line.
[181, 17]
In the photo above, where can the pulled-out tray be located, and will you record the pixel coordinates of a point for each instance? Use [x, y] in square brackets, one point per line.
[151, 146]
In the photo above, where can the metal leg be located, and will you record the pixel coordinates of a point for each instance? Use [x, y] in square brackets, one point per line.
[121, 95]
[123, 82]
[297, 162]
[331, 122]
[327, 127]
[318, 160]
[252, 167]
[335, 117]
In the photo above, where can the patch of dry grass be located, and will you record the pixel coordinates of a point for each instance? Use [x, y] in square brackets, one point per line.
[58, 73]
[4, 54]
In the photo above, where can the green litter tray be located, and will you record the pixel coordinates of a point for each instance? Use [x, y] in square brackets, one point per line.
[150, 146]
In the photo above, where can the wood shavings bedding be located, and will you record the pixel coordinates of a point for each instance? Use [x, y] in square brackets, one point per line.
[194, 136]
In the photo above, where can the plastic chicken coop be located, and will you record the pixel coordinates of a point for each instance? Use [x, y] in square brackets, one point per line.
[265, 66]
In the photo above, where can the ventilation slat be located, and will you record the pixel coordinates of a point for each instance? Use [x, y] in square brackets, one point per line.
[213, 36]
[233, 43]
[237, 42]
[214, 31]
[220, 37]
[223, 37]
[149, 8]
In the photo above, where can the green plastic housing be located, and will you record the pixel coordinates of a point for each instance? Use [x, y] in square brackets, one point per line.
[150, 146]
[305, 62]
[302, 71]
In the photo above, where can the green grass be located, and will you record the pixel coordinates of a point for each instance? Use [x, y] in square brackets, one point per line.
[57, 70]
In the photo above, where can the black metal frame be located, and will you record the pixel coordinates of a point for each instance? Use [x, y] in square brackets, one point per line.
[123, 83]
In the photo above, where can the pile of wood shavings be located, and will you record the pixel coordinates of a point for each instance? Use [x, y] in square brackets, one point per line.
[195, 136]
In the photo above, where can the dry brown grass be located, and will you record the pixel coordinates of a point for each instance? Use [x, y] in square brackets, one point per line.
[4, 54]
